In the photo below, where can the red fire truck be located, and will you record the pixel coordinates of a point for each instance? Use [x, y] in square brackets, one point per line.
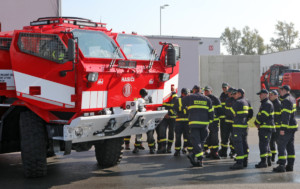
[279, 75]
[69, 83]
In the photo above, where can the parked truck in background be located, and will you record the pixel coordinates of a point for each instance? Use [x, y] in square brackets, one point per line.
[69, 83]
[279, 75]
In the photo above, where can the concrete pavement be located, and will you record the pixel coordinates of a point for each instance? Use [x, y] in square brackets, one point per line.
[79, 170]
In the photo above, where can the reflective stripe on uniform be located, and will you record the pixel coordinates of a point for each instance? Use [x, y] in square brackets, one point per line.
[229, 121]
[274, 152]
[180, 104]
[264, 155]
[150, 145]
[199, 154]
[291, 156]
[281, 157]
[286, 110]
[198, 107]
[182, 119]
[240, 126]
[239, 157]
[199, 122]
[267, 126]
[225, 145]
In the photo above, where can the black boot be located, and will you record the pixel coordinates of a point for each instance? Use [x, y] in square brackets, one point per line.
[135, 150]
[262, 163]
[215, 155]
[141, 147]
[200, 161]
[279, 169]
[289, 168]
[237, 165]
[162, 150]
[177, 153]
[207, 154]
[169, 149]
[269, 161]
[127, 147]
[245, 162]
[273, 157]
[223, 152]
[191, 157]
[152, 150]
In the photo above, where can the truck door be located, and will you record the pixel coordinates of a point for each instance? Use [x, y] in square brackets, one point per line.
[37, 60]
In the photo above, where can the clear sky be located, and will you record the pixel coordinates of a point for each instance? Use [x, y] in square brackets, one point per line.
[201, 18]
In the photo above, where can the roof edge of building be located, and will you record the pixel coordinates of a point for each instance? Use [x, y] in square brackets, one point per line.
[179, 37]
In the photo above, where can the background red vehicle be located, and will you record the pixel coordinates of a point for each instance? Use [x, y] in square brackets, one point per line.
[279, 75]
[70, 83]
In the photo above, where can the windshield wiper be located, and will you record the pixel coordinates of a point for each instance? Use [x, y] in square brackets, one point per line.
[153, 55]
[115, 56]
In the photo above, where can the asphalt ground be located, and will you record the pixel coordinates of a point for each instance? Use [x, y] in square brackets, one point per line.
[143, 170]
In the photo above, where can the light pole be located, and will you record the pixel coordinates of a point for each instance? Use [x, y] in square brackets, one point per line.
[161, 7]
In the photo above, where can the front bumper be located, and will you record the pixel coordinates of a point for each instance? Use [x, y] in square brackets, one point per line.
[93, 128]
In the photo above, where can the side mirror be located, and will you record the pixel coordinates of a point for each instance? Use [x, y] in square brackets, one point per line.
[171, 57]
[71, 50]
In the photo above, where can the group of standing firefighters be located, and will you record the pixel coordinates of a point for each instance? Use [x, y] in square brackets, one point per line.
[197, 117]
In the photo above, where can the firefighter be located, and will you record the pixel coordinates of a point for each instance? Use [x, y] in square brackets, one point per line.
[242, 113]
[150, 138]
[265, 124]
[127, 142]
[273, 96]
[229, 121]
[181, 126]
[286, 137]
[213, 137]
[167, 123]
[200, 113]
[224, 130]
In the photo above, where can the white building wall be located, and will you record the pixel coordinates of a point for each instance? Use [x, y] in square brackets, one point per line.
[238, 71]
[190, 51]
[14, 14]
[289, 58]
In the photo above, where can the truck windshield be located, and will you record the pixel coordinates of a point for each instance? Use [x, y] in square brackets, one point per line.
[95, 44]
[135, 47]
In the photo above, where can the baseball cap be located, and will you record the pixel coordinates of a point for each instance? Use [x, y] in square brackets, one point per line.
[184, 90]
[230, 90]
[207, 88]
[225, 85]
[285, 87]
[242, 91]
[196, 87]
[274, 92]
[263, 91]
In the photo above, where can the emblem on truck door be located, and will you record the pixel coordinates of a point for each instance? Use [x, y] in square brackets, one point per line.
[127, 89]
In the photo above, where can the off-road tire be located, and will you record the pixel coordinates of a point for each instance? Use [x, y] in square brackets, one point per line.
[33, 145]
[109, 153]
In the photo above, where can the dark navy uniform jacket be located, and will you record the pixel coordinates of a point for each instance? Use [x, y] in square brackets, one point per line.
[200, 110]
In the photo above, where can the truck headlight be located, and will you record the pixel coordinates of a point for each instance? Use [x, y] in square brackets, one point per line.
[93, 77]
[164, 77]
